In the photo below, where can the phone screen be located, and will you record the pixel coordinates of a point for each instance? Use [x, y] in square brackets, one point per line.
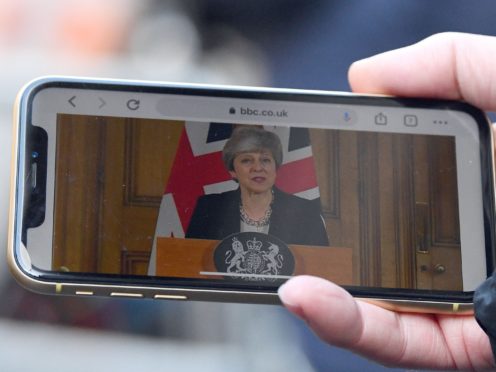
[249, 189]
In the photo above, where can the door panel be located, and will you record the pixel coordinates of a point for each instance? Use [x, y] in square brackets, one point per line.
[105, 220]
[393, 199]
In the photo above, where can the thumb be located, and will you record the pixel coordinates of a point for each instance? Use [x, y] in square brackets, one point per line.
[366, 329]
[327, 308]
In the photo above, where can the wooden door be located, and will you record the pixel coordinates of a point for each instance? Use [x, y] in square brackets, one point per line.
[110, 178]
[393, 199]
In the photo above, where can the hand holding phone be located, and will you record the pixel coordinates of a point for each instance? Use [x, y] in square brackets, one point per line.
[396, 339]
[88, 191]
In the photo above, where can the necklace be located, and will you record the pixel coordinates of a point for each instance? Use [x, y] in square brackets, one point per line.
[264, 221]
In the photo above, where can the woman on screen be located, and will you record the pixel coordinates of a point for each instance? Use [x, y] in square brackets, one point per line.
[252, 156]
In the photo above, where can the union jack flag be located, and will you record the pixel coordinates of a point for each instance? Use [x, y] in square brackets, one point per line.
[198, 170]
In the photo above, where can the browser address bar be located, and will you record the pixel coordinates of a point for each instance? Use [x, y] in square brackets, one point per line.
[252, 111]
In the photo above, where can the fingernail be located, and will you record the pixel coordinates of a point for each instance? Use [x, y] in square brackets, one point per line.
[283, 294]
[361, 61]
[287, 297]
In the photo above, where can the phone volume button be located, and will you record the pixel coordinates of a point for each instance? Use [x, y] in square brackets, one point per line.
[85, 293]
[126, 294]
[169, 297]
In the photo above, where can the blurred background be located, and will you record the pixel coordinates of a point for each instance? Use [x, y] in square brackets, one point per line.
[280, 43]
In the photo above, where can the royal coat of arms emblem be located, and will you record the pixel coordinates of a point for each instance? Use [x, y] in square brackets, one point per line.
[254, 256]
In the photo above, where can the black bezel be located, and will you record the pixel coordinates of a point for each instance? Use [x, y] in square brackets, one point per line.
[226, 92]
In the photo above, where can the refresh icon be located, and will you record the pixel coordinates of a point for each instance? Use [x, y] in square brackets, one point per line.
[133, 104]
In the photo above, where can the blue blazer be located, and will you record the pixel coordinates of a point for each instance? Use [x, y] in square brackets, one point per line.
[294, 220]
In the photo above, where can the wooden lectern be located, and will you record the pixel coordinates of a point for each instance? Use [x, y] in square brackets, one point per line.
[187, 258]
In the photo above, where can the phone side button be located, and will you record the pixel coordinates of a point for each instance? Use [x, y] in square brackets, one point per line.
[169, 297]
[126, 294]
[85, 293]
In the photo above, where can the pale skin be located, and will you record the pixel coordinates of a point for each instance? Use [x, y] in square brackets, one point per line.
[256, 174]
[448, 66]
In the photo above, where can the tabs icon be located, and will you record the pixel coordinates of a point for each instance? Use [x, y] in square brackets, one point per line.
[381, 119]
[410, 120]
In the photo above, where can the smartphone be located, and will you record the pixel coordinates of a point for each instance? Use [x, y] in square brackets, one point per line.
[220, 193]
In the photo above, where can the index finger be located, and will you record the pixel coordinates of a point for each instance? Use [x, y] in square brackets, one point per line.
[448, 66]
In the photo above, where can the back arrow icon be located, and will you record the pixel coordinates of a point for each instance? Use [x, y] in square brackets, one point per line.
[102, 102]
[71, 101]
